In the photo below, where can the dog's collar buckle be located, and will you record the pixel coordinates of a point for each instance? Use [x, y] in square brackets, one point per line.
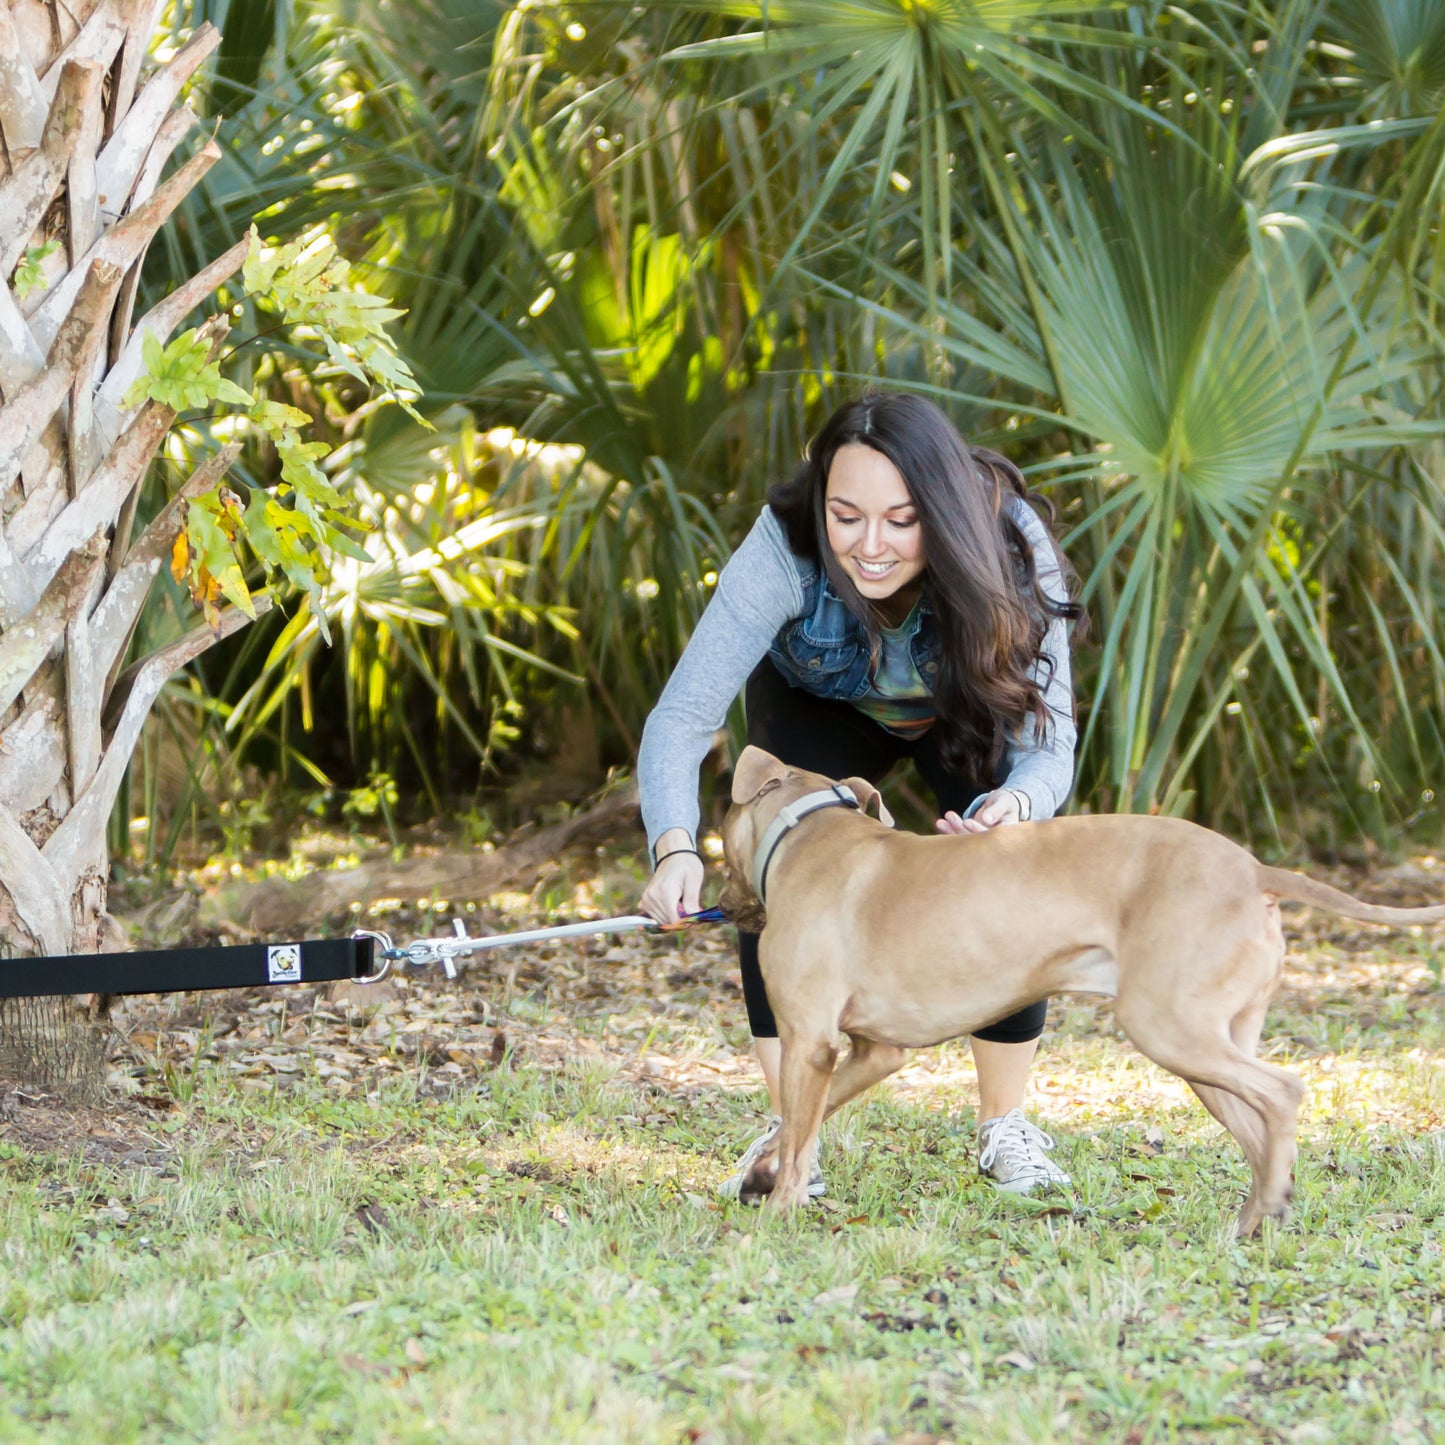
[840, 795]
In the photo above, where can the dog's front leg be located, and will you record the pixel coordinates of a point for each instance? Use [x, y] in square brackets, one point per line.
[808, 1060]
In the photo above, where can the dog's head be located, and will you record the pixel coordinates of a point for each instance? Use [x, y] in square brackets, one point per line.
[761, 785]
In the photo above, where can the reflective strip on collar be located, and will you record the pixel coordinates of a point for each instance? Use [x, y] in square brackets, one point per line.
[788, 817]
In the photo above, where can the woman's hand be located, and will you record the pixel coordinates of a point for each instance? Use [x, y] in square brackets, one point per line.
[1001, 806]
[676, 884]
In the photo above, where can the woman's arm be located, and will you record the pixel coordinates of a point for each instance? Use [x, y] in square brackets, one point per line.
[1041, 767]
[757, 593]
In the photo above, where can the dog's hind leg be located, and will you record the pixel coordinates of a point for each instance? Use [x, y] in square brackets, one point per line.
[1268, 1137]
[1256, 1102]
[1280, 1133]
[808, 1060]
[867, 1063]
[1243, 1120]
[1246, 1124]
[1275, 1095]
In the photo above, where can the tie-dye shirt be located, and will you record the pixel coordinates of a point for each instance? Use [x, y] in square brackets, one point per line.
[899, 699]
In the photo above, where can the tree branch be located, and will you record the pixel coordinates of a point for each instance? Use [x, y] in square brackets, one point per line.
[100, 503]
[32, 755]
[20, 357]
[120, 162]
[126, 241]
[98, 39]
[175, 128]
[27, 644]
[142, 18]
[17, 596]
[82, 200]
[115, 617]
[22, 102]
[32, 187]
[34, 886]
[82, 700]
[30, 407]
[106, 490]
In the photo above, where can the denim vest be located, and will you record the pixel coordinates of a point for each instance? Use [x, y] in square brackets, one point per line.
[825, 650]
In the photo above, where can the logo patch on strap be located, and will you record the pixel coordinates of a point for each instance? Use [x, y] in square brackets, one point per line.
[283, 963]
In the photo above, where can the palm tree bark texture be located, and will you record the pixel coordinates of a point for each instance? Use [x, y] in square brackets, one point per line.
[87, 126]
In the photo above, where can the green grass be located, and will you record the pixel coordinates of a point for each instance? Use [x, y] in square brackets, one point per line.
[396, 1251]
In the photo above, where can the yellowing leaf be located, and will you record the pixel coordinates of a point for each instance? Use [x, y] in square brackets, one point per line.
[181, 556]
[214, 555]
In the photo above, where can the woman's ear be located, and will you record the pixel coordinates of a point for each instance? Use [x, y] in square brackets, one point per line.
[869, 798]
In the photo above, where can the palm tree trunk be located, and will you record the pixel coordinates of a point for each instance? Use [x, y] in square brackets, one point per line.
[87, 125]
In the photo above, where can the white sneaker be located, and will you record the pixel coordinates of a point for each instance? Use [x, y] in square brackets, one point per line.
[1011, 1153]
[733, 1188]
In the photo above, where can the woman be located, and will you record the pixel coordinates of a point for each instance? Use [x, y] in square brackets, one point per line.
[898, 598]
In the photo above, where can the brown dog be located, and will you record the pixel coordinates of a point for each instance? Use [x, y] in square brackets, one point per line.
[901, 941]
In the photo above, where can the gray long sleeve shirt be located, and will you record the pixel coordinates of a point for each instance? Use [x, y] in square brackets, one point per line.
[758, 593]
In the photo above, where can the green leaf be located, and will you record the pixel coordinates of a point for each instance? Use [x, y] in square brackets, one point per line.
[181, 377]
[172, 373]
[227, 390]
[348, 546]
[29, 274]
[310, 284]
[300, 472]
[283, 538]
[275, 417]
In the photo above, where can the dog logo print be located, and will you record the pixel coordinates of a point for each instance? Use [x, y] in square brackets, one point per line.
[283, 963]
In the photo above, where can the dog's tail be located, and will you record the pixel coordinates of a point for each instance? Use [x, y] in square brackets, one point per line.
[1299, 889]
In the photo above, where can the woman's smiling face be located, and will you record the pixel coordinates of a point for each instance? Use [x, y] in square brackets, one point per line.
[873, 525]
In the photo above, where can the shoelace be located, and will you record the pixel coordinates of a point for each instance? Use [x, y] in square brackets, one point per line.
[1013, 1135]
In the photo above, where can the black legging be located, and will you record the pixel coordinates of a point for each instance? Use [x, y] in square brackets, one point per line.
[835, 739]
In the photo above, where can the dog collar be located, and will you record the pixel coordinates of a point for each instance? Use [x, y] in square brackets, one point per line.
[788, 817]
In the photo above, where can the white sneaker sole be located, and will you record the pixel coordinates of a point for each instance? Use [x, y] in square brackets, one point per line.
[1025, 1186]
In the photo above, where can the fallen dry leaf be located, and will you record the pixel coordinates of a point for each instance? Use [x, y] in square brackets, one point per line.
[372, 1217]
[360, 1365]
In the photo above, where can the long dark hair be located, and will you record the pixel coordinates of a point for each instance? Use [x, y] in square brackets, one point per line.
[980, 573]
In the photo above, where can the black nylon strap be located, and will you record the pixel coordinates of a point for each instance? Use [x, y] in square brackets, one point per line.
[174, 970]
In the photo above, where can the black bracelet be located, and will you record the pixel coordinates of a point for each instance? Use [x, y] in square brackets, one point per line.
[674, 854]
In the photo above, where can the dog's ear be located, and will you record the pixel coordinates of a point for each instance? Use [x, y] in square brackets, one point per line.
[869, 797]
[755, 773]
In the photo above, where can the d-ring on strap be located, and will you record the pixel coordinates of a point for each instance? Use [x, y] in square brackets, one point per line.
[788, 817]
